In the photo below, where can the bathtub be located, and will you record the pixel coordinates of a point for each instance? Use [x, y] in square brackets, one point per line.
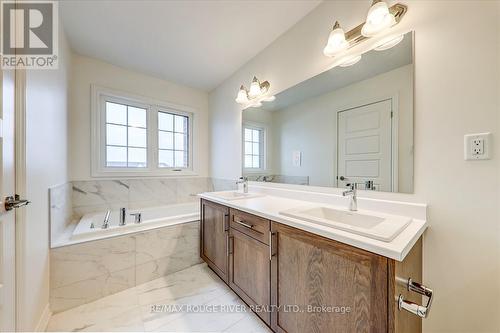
[155, 217]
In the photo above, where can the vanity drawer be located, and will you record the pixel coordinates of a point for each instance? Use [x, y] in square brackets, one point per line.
[251, 225]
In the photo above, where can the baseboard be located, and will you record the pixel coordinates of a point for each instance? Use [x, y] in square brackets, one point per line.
[43, 322]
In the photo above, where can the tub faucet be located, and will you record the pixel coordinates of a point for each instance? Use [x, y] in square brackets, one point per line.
[137, 217]
[105, 223]
[244, 181]
[352, 193]
[123, 216]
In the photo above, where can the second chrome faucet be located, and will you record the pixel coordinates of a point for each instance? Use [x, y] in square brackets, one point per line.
[244, 181]
[352, 193]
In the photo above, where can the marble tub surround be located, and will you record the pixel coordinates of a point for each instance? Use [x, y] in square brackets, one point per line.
[279, 199]
[100, 195]
[70, 201]
[131, 309]
[62, 220]
[88, 271]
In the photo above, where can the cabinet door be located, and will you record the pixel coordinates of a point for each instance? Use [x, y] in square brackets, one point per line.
[215, 237]
[315, 281]
[250, 272]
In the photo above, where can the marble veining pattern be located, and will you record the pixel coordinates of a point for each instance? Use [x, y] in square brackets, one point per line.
[142, 308]
[61, 210]
[100, 195]
[85, 272]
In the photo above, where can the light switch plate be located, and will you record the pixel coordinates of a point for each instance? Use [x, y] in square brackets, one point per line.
[477, 146]
[297, 158]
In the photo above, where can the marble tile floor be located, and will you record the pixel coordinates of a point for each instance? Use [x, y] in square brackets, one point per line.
[169, 304]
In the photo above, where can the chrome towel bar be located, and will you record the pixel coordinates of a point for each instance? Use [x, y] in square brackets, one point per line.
[418, 310]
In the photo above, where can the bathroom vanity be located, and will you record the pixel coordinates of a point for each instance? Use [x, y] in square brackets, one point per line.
[299, 281]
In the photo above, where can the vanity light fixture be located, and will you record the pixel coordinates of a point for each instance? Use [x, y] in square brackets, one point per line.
[336, 41]
[255, 95]
[380, 17]
[257, 89]
[242, 97]
[350, 61]
[389, 42]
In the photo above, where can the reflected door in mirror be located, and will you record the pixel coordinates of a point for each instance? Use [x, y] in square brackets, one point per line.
[365, 145]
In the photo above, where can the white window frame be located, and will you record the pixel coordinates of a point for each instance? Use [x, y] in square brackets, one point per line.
[98, 134]
[263, 147]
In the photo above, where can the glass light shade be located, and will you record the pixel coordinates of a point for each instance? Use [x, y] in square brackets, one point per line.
[350, 61]
[388, 42]
[254, 88]
[336, 42]
[378, 19]
[242, 97]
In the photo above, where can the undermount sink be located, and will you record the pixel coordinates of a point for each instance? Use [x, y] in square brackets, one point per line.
[235, 195]
[373, 225]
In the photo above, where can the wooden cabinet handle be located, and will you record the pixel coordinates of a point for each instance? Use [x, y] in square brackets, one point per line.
[246, 225]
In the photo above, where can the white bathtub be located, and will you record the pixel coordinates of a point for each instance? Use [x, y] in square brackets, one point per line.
[155, 217]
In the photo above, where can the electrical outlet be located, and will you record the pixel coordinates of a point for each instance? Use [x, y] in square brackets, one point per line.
[477, 146]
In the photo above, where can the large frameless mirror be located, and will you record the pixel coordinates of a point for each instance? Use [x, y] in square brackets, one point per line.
[346, 125]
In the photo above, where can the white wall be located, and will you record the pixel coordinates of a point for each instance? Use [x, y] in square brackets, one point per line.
[87, 71]
[46, 160]
[456, 92]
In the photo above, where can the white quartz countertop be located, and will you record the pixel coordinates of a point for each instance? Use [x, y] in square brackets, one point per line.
[270, 206]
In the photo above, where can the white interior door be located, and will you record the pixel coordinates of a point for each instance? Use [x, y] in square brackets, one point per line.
[7, 218]
[365, 145]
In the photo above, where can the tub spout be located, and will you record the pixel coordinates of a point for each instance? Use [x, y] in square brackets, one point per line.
[105, 223]
[123, 216]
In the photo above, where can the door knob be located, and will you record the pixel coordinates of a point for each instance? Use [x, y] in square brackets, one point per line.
[15, 202]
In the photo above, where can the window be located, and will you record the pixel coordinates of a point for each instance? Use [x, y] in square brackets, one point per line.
[133, 135]
[173, 138]
[126, 136]
[253, 148]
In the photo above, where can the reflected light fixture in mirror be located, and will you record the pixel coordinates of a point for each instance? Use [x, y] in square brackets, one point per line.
[378, 19]
[336, 41]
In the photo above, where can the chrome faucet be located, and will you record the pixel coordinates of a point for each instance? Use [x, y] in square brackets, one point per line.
[369, 185]
[137, 217]
[352, 193]
[105, 223]
[244, 181]
[123, 216]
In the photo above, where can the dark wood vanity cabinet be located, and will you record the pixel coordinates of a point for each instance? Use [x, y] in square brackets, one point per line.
[310, 283]
[214, 229]
[249, 263]
[326, 285]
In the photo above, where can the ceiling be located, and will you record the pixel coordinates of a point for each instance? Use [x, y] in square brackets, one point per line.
[195, 43]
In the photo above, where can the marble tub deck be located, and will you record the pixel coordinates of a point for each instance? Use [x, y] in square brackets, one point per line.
[141, 308]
